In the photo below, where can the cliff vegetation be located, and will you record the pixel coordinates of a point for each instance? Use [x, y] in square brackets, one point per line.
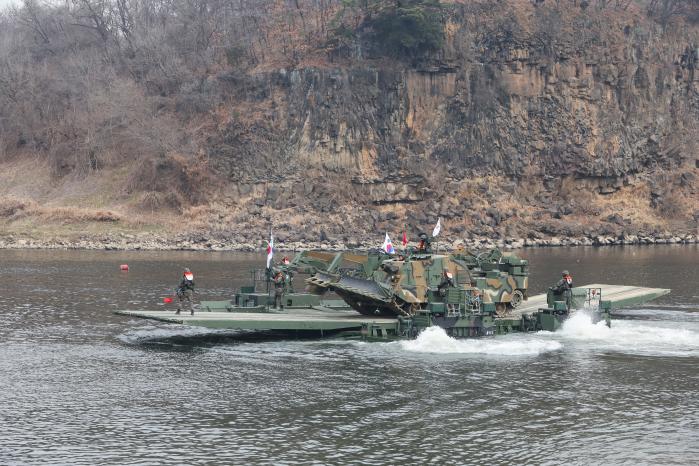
[338, 119]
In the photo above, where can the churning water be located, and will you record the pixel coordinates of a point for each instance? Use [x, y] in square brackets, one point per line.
[82, 386]
[435, 340]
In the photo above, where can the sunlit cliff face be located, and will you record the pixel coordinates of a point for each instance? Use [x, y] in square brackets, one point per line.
[547, 119]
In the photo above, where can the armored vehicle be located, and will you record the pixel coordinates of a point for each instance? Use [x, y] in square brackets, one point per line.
[495, 281]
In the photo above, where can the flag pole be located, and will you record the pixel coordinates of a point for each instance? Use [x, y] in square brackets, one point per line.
[268, 274]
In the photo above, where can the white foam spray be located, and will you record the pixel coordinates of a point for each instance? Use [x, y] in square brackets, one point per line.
[632, 336]
[580, 325]
[435, 340]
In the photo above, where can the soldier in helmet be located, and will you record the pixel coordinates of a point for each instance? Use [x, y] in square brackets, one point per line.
[424, 246]
[279, 283]
[185, 291]
[447, 282]
[562, 290]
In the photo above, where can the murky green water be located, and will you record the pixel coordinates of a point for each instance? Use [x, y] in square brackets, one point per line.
[82, 386]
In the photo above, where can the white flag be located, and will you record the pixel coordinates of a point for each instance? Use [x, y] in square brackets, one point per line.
[437, 227]
[387, 245]
[270, 249]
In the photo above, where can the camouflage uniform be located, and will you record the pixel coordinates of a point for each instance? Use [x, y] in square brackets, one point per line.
[446, 282]
[184, 293]
[424, 246]
[562, 290]
[278, 290]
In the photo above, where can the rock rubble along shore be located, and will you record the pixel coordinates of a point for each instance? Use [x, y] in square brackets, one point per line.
[199, 242]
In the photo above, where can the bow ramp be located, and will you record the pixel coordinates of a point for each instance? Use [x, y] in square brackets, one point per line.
[619, 295]
[327, 319]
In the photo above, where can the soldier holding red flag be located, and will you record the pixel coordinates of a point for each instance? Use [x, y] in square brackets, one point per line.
[185, 291]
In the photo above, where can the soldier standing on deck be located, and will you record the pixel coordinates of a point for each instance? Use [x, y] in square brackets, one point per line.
[279, 283]
[563, 289]
[185, 291]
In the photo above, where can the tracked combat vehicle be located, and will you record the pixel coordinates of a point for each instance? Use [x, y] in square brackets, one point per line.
[468, 294]
[492, 280]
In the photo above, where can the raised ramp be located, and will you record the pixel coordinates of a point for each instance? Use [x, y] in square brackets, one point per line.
[351, 285]
[307, 320]
[625, 296]
[619, 295]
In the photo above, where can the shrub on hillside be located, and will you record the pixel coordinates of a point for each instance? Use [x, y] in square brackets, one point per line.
[406, 28]
[12, 206]
[170, 182]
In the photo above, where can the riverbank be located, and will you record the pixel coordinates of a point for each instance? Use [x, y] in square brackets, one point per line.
[203, 242]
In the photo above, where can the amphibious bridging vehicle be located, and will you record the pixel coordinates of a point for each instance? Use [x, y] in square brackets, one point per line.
[384, 297]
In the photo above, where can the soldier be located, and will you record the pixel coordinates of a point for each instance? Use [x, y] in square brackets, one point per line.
[185, 291]
[278, 289]
[424, 246]
[562, 290]
[447, 281]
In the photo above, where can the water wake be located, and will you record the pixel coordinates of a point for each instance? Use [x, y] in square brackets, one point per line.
[632, 336]
[150, 334]
[435, 340]
[675, 314]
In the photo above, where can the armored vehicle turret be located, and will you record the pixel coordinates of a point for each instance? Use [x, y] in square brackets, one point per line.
[493, 283]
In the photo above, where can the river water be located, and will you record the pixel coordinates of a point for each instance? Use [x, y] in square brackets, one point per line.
[80, 385]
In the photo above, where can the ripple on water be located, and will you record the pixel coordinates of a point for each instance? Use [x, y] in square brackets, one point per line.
[81, 386]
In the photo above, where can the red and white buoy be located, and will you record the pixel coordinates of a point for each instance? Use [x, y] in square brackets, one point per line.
[124, 267]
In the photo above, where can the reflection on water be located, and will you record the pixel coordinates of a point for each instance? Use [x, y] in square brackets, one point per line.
[83, 386]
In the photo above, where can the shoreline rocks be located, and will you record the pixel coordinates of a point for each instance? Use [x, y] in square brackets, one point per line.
[200, 242]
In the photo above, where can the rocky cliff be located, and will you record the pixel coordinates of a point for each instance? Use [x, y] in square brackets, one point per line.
[532, 119]
[511, 130]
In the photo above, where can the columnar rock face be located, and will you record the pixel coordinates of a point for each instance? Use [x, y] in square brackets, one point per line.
[533, 120]
[526, 120]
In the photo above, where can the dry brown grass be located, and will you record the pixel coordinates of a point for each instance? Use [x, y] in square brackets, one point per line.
[632, 203]
[676, 204]
[13, 208]
[75, 214]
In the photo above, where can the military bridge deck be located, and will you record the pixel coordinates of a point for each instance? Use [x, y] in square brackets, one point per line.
[326, 319]
[297, 319]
